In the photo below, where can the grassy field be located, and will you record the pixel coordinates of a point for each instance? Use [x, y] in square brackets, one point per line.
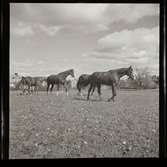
[50, 126]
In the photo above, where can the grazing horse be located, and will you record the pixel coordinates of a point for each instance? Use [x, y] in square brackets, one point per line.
[111, 78]
[59, 79]
[30, 82]
[83, 81]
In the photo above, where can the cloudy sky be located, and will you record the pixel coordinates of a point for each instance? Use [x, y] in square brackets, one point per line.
[50, 38]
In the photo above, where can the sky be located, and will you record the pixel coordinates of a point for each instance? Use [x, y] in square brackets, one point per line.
[49, 38]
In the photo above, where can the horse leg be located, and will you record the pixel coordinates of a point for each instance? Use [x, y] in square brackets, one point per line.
[51, 88]
[24, 89]
[58, 89]
[32, 89]
[29, 86]
[90, 88]
[93, 90]
[113, 92]
[79, 90]
[79, 93]
[99, 91]
[65, 89]
[36, 90]
[47, 88]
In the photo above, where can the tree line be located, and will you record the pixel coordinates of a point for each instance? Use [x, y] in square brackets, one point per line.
[143, 80]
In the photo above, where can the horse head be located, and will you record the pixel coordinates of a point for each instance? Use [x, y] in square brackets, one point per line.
[71, 72]
[130, 73]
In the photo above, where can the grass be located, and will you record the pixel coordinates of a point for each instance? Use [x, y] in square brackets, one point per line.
[50, 126]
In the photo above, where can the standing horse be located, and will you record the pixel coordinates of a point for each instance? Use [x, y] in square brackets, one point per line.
[111, 78]
[25, 87]
[59, 79]
[83, 81]
[29, 82]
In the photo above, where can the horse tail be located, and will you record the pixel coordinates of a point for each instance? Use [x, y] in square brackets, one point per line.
[78, 83]
[83, 82]
[88, 80]
[47, 80]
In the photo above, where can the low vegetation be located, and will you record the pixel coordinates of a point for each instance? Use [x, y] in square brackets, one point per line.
[50, 126]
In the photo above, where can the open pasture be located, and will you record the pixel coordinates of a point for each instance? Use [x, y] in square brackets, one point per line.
[50, 126]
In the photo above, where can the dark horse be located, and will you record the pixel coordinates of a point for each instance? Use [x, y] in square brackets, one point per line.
[29, 82]
[59, 79]
[111, 78]
[83, 81]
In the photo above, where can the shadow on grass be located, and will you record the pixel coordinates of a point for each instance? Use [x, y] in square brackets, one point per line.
[90, 100]
[20, 94]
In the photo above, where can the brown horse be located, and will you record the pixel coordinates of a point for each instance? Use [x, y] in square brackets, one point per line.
[59, 79]
[111, 78]
[30, 82]
[83, 81]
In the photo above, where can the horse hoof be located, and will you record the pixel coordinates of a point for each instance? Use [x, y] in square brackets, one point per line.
[109, 100]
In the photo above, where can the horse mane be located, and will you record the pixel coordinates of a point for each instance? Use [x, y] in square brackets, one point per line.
[119, 70]
[63, 72]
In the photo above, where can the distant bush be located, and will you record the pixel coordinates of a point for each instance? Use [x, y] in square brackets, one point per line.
[143, 80]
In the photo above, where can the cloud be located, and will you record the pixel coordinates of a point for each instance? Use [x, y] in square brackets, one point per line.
[53, 30]
[28, 63]
[70, 18]
[139, 47]
[22, 29]
[30, 42]
[69, 29]
[28, 67]
[65, 60]
[126, 40]
[130, 13]
[40, 62]
[53, 17]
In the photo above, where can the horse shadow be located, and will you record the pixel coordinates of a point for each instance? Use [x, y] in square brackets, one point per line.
[90, 100]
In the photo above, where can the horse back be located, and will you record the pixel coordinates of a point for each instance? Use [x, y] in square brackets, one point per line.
[52, 79]
[106, 78]
[33, 81]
